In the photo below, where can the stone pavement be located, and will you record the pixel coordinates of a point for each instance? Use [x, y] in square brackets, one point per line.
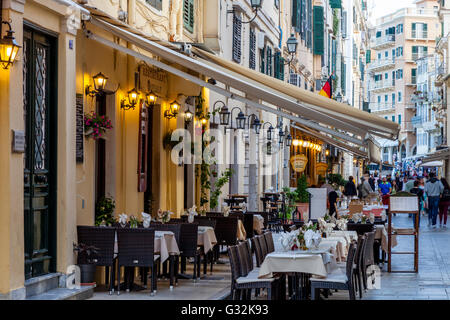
[433, 280]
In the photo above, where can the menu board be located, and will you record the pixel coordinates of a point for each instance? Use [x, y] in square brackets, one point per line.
[404, 204]
[80, 128]
[318, 208]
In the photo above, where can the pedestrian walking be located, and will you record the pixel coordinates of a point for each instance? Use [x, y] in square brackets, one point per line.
[434, 189]
[372, 182]
[420, 194]
[385, 189]
[350, 188]
[444, 204]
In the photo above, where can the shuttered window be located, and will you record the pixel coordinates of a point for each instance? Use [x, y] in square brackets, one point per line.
[262, 66]
[343, 74]
[188, 15]
[269, 66]
[335, 4]
[368, 56]
[318, 30]
[278, 66]
[252, 55]
[309, 28]
[237, 37]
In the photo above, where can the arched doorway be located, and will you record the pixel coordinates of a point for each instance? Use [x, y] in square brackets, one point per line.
[402, 152]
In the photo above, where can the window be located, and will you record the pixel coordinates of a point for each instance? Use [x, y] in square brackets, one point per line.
[399, 74]
[262, 60]
[188, 15]
[399, 28]
[157, 4]
[399, 119]
[399, 96]
[393, 118]
[319, 30]
[237, 35]
[419, 30]
[269, 60]
[386, 76]
[399, 52]
[379, 56]
[252, 45]
[379, 100]
[386, 54]
[393, 99]
[386, 98]
[278, 64]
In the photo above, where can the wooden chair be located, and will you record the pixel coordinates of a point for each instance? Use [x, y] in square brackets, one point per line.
[337, 280]
[256, 248]
[103, 238]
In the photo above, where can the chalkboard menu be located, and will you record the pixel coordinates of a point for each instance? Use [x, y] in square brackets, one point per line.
[80, 128]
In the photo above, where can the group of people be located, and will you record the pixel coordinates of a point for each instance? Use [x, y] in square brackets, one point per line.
[434, 193]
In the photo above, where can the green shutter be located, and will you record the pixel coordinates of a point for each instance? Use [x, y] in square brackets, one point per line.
[333, 56]
[368, 56]
[188, 15]
[262, 59]
[276, 63]
[343, 74]
[318, 31]
[335, 4]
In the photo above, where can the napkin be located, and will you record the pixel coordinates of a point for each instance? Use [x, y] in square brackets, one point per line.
[226, 211]
[146, 218]
[317, 239]
[309, 238]
[123, 219]
[372, 218]
[342, 224]
[191, 213]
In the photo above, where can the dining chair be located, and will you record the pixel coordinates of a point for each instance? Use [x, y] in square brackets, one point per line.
[243, 280]
[268, 237]
[337, 280]
[189, 248]
[136, 249]
[103, 238]
[263, 245]
[256, 248]
[368, 259]
[226, 233]
[359, 258]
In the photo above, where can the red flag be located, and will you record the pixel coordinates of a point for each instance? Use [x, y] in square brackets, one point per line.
[327, 90]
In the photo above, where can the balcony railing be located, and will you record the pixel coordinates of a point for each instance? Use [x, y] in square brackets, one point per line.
[419, 34]
[384, 41]
[407, 126]
[407, 12]
[416, 120]
[382, 64]
[383, 85]
[382, 107]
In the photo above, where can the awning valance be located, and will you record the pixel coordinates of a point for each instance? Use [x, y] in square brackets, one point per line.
[439, 155]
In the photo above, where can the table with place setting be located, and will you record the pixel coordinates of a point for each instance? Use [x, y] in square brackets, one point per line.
[206, 238]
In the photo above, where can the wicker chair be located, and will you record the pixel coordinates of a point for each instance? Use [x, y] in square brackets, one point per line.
[248, 224]
[189, 249]
[103, 238]
[358, 266]
[242, 280]
[263, 245]
[176, 229]
[368, 258]
[337, 281]
[256, 247]
[360, 228]
[136, 249]
[269, 242]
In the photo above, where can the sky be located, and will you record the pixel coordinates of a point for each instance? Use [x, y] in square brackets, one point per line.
[384, 7]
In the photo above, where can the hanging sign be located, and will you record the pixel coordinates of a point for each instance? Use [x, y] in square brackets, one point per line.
[321, 169]
[299, 163]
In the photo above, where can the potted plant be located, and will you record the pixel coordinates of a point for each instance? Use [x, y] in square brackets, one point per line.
[86, 258]
[302, 197]
[224, 179]
[104, 209]
[95, 126]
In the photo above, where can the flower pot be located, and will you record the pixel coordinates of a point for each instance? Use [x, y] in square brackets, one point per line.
[303, 208]
[87, 273]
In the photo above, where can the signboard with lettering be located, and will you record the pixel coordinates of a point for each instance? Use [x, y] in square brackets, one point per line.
[321, 169]
[153, 79]
[18, 143]
[299, 163]
[80, 128]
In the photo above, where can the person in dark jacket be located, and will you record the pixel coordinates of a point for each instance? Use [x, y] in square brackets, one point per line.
[350, 188]
[420, 194]
[372, 182]
[444, 204]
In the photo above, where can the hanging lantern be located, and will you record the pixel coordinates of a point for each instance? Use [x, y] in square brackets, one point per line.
[99, 81]
[292, 44]
[269, 133]
[8, 48]
[174, 108]
[240, 121]
[151, 98]
[256, 125]
[224, 115]
[288, 140]
[188, 116]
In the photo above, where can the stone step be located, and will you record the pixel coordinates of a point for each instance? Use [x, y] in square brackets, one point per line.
[41, 284]
[85, 292]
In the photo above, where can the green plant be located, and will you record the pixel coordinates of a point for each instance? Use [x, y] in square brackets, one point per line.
[302, 192]
[86, 254]
[104, 209]
[96, 125]
[336, 179]
[224, 179]
[134, 222]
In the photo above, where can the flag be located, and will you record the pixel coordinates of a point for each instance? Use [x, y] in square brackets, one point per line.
[327, 90]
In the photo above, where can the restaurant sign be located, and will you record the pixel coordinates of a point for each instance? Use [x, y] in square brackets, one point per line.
[299, 163]
[153, 79]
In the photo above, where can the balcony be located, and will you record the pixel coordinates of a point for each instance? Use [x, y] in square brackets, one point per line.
[383, 64]
[383, 86]
[442, 73]
[416, 121]
[419, 35]
[431, 126]
[407, 12]
[383, 42]
[382, 108]
[412, 82]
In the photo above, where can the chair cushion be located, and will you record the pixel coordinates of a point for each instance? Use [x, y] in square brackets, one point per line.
[335, 276]
[253, 277]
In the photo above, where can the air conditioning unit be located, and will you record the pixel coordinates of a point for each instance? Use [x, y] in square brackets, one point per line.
[301, 67]
[307, 74]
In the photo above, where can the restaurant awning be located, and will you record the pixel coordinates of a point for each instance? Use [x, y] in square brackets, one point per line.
[310, 116]
[437, 156]
[432, 164]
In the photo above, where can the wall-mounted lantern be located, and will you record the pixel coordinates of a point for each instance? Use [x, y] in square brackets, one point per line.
[133, 96]
[174, 108]
[150, 98]
[256, 5]
[8, 47]
[188, 116]
[99, 85]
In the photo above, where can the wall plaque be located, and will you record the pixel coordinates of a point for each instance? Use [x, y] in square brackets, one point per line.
[80, 128]
[18, 141]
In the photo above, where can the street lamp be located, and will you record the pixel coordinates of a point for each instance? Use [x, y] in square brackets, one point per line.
[256, 5]
[224, 116]
[255, 124]
[8, 47]
[288, 140]
[241, 120]
[292, 44]
[269, 131]
[133, 96]
[99, 85]
[150, 98]
[188, 116]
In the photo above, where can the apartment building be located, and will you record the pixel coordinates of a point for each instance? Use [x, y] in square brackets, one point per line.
[397, 41]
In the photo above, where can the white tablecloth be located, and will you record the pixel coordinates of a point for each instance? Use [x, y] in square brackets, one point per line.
[206, 237]
[382, 234]
[318, 262]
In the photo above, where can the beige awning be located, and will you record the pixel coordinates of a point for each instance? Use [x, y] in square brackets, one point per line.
[341, 121]
[439, 155]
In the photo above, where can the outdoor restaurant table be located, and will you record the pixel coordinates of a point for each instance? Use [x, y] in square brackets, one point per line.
[381, 234]
[349, 235]
[206, 237]
[165, 244]
[340, 244]
[258, 223]
[318, 262]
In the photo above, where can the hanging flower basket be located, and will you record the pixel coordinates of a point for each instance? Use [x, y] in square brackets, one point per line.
[95, 126]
